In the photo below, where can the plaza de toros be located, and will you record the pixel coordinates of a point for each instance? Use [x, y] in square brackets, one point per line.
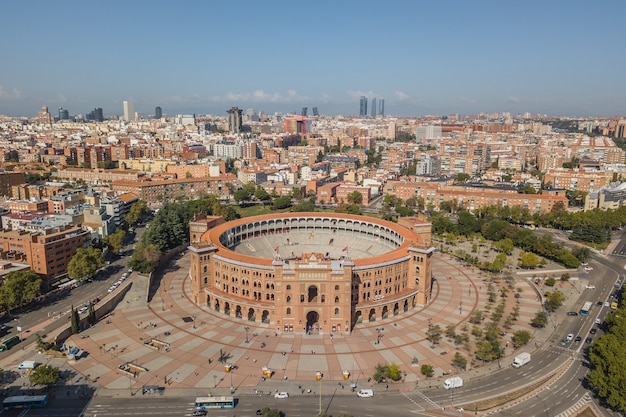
[310, 272]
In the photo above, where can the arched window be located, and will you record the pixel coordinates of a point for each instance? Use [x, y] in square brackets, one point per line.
[206, 268]
[206, 280]
[323, 298]
[288, 298]
[336, 299]
[336, 287]
[336, 311]
[302, 298]
[288, 310]
[288, 287]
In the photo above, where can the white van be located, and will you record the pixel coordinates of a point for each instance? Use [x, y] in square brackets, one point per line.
[28, 365]
[365, 393]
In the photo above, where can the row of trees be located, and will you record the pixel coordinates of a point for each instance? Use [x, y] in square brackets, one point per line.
[170, 228]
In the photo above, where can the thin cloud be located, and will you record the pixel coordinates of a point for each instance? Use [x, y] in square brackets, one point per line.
[513, 99]
[400, 96]
[468, 100]
[358, 94]
[260, 96]
[13, 94]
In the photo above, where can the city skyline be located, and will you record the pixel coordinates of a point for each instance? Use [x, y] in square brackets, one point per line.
[422, 58]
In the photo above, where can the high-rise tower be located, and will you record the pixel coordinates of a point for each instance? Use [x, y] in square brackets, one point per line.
[363, 107]
[44, 116]
[374, 107]
[129, 110]
[234, 120]
[381, 107]
[158, 113]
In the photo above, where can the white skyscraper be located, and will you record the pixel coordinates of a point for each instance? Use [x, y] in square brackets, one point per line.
[129, 111]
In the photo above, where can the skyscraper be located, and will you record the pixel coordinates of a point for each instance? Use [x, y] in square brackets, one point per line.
[363, 107]
[374, 107]
[315, 112]
[44, 116]
[304, 111]
[158, 113]
[129, 110]
[381, 107]
[64, 114]
[234, 120]
[96, 114]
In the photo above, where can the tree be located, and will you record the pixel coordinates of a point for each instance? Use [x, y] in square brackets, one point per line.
[554, 300]
[136, 211]
[433, 334]
[85, 263]
[427, 370]
[75, 320]
[459, 361]
[19, 288]
[281, 202]
[528, 260]
[116, 240]
[91, 315]
[45, 375]
[521, 337]
[270, 412]
[540, 320]
[261, 195]
[355, 197]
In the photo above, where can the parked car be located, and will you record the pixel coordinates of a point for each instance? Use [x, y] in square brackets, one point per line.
[572, 313]
[578, 339]
[569, 337]
[590, 287]
[588, 340]
[593, 331]
[281, 394]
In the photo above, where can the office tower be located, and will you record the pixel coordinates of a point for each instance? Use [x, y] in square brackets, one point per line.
[44, 116]
[304, 111]
[374, 107]
[363, 107]
[129, 110]
[234, 120]
[381, 107]
[315, 112]
[64, 114]
[96, 115]
[158, 113]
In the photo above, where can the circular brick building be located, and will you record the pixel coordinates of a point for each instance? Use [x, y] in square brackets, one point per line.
[310, 272]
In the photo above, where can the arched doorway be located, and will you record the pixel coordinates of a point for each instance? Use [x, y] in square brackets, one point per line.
[406, 305]
[396, 309]
[251, 316]
[265, 316]
[227, 309]
[217, 305]
[238, 312]
[208, 300]
[358, 317]
[312, 294]
[385, 313]
[372, 316]
[312, 322]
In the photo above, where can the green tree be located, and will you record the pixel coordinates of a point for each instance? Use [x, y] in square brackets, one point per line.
[521, 337]
[19, 288]
[433, 334]
[540, 320]
[85, 263]
[44, 375]
[91, 315]
[554, 300]
[427, 370]
[459, 361]
[136, 211]
[75, 320]
[145, 258]
[270, 412]
[116, 240]
[261, 195]
[355, 197]
[281, 202]
[528, 260]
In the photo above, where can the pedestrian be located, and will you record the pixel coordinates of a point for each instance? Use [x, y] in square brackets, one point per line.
[386, 387]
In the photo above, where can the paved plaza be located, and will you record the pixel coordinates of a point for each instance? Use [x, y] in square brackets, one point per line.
[193, 338]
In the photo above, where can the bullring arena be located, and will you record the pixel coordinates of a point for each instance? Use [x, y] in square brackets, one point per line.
[311, 272]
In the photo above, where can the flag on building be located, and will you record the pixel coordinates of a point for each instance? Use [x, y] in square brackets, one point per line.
[276, 249]
[345, 249]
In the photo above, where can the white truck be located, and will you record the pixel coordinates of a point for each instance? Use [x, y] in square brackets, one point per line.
[521, 360]
[454, 382]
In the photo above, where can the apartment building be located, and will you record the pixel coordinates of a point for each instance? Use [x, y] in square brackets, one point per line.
[47, 252]
[168, 190]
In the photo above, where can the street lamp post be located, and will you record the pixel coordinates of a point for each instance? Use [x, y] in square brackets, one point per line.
[19, 329]
[319, 377]
[247, 329]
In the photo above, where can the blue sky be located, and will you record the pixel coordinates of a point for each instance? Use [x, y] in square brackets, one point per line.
[423, 57]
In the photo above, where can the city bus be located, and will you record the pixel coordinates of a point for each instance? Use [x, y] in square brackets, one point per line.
[9, 343]
[25, 401]
[207, 403]
[586, 308]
